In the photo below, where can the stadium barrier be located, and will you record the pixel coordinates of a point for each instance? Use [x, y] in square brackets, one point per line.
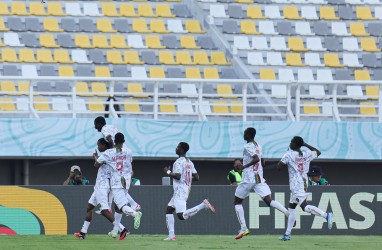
[50, 210]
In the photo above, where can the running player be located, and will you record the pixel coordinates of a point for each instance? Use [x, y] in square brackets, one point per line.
[183, 173]
[298, 161]
[252, 179]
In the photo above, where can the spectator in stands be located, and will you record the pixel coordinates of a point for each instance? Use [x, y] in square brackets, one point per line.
[234, 176]
[116, 106]
[75, 177]
[315, 177]
[135, 181]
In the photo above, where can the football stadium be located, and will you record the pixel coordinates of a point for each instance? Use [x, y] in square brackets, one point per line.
[110, 111]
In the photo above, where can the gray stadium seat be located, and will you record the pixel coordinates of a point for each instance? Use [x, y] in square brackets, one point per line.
[346, 13]
[63, 87]
[228, 73]
[15, 24]
[84, 70]
[181, 10]
[285, 28]
[322, 29]
[30, 40]
[87, 25]
[120, 71]
[235, 11]
[332, 44]
[118, 87]
[69, 25]
[170, 88]
[230, 27]
[11, 70]
[338, 2]
[343, 74]
[375, 29]
[44, 87]
[149, 57]
[378, 74]
[122, 25]
[370, 60]
[47, 70]
[205, 42]
[65, 41]
[97, 56]
[33, 24]
[175, 73]
[171, 42]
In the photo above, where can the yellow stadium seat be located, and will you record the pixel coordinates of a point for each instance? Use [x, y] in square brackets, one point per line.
[166, 57]
[82, 89]
[96, 105]
[114, 57]
[244, 1]
[236, 107]
[51, 25]
[99, 89]
[312, 109]
[293, 59]
[65, 71]
[41, 104]
[220, 107]
[83, 41]
[175, 1]
[364, 13]
[223, 90]
[131, 106]
[2, 25]
[188, 42]
[361, 75]
[267, 74]
[19, 9]
[9, 55]
[254, 12]
[139, 0]
[167, 106]
[140, 26]
[61, 56]
[332, 60]
[145, 10]
[8, 87]
[23, 88]
[296, 44]
[48, 41]
[104, 25]
[7, 104]
[109, 9]
[201, 58]
[100, 41]
[368, 44]
[193, 26]
[153, 42]
[249, 28]
[358, 29]
[184, 58]
[218, 58]
[55, 9]
[158, 26]
[102, 71]
[136, 89]
[328, 13]
[44, 56]
[127, 10]
[4, 9]
[193, 73]
[372, 92]
[291, 13]
[27, 55]
[132, 57]
[163, 10]
[118, 42]
[211, 73]
[367, 108]
[157, 72]
[37, 9]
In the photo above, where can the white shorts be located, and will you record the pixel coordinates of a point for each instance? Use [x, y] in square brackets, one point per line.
[243, 189]
[119, 197]
[298, 198]
[100, 196]
[180, 204]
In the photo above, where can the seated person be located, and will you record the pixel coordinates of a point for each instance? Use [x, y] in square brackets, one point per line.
[234, 176]
[76, 177]
[315, 177]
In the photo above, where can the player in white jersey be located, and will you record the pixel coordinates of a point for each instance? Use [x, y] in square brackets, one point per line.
[99, 195]
[252, 180]
[297, 161]
[183, 173]
[120, 158]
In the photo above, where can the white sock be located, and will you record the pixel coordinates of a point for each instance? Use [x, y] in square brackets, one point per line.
[315, 211]
[119, 225]
[291, 220]
[170, 224]
[192, 211]
[131, 201]
[85, 227]
[110, 201]
[240, 216]
[129, 211]
[279, 207]
[117, 221]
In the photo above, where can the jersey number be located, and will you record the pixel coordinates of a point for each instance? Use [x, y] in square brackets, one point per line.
[255, 167]
[119, 165]
[188, 178]
[301, 168]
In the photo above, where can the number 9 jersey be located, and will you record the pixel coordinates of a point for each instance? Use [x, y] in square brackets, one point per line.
[185, 168]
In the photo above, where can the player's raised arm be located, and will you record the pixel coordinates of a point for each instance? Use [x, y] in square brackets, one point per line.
[175, 176]
[311, 148]
[110, 141]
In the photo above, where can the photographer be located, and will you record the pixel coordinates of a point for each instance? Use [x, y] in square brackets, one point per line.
[75, 177]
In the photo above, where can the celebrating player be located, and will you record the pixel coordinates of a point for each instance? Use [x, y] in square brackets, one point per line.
[252, 179]
[183, 173]
[298, 161]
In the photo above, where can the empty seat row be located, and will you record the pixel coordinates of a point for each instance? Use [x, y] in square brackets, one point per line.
[101, 25]
[326, 108]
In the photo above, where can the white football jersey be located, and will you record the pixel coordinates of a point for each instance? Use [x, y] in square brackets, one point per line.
[254, 173]
[103, 176]
[109, 130]
[185, 168]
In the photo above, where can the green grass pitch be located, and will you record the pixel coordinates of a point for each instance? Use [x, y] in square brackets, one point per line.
[155, 242]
